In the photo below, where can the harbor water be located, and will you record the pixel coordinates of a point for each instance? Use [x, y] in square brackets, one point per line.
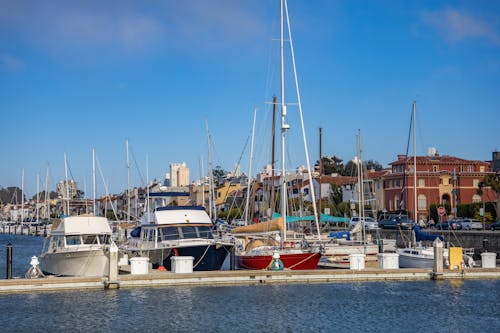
[425, 306]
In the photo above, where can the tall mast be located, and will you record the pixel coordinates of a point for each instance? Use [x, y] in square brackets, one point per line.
[284, 125]
[272, 204]
[211, 199]
[202, 182]
[22, 197]
[94, 208]
[128, 182]
[37, 196]
[320, 169]
[361, 187]
[415, 159]
[249, 183]
[66, 183]
[315, 211]
[47, 197]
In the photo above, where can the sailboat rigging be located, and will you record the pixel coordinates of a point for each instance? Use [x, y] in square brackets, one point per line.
[258, 254]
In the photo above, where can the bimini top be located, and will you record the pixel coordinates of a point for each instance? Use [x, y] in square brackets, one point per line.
[83, 225]
[177, 214]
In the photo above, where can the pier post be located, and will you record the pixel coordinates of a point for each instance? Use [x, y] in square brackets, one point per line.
[437, 270]
[485, 244]
[112, 282]
[232, 259]
[8, 273]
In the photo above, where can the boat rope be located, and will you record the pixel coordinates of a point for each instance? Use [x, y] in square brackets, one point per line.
[303, 260]
[202, 257]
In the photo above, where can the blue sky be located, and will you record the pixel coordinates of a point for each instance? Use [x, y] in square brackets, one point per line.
[76, 75]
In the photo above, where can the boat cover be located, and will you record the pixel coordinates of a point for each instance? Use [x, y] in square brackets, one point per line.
[424, 236]
[341, 235]
[324, 218]
[273, 225]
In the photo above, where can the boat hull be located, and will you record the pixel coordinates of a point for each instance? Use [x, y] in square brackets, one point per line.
[409, 261]
[81, 263]
[293, 261]
[206, 258]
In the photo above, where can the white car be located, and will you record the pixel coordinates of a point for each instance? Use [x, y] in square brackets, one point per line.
[370, 223]
[471, 224]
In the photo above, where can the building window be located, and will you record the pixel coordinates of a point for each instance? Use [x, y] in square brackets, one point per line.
[476, 198]
[435, 168]
[470, 168]
[475, 182]
[396, 202]
[481, 168]
[421, 183]
[422, 202]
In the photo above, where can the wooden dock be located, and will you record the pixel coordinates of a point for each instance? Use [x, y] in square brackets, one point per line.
[241, 277]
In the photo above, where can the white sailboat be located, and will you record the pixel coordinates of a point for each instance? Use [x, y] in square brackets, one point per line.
[417, 255]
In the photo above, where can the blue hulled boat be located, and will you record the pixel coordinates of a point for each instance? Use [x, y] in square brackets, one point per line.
[169, 231]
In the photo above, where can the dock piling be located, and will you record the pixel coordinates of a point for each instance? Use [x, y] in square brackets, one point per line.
[437, 270]
[232, 259]
[112, 282]
[8, 273]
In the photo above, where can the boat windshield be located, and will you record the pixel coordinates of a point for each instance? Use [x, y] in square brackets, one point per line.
[187, 232]
[89, 239]
[73, 240]
[104, 239]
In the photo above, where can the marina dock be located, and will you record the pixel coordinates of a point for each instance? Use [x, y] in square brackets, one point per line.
[241, 277]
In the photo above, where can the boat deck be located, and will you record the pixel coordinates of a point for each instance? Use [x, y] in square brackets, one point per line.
[240, 277]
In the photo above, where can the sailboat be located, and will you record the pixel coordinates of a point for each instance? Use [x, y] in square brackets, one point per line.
[338, 250]
[417, 255]
[267, 240]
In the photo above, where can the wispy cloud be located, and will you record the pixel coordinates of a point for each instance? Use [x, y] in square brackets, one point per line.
[456, 26]
[10, 64]
[133, 26]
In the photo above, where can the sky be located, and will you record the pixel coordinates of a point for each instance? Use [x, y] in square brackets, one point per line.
[83, 75]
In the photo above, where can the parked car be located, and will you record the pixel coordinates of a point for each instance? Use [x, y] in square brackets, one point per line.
[395, 221]
[370, 223]
[495, 226]
[449, 225]
[471, 224]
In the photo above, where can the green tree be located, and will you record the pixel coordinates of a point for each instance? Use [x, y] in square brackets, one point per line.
[331, 165]
[219, 175]
[371, 164]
